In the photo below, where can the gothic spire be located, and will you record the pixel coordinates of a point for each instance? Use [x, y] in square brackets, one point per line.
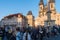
[41, 2]
[29, 13]
[52, 1]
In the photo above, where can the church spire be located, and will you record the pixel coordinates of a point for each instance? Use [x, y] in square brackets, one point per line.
[52, 5]
[41, 2]
[41, 8]
[51, 1]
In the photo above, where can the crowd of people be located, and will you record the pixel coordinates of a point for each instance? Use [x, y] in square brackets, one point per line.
[30, 33]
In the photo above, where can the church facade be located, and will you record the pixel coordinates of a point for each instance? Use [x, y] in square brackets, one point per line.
[42, 16]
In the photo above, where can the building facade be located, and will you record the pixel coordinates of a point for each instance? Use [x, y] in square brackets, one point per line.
[30, 18]
[14, 20]
[42, 16]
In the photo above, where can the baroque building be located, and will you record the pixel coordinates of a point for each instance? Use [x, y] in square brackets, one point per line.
[42, 16]
[30, 18]
[14, 20]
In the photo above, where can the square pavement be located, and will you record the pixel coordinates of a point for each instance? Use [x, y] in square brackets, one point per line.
[57, 37]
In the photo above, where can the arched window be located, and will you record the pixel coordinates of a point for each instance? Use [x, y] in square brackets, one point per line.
[51, 6]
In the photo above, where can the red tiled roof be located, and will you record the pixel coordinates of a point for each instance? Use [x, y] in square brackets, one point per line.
[9, 16]
[16, 15]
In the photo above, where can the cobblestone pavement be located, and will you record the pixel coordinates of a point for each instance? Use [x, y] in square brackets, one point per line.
[57, 37]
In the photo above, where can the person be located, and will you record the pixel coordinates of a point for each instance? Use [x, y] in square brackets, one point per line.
[41, 34]
[13, 36]
[26, 35]
[1, 33]
[48, 31]
[5, 37]
[19, 34]
[59, 29]
[34, 34]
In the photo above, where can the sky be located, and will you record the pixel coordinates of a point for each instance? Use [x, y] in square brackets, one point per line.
[22, 6]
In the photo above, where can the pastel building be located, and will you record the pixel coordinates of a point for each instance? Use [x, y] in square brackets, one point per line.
[14, 20]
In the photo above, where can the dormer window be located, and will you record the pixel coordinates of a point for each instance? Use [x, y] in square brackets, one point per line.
[19, 16]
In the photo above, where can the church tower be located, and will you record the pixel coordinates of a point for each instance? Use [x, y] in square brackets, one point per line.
[41, 8]
[30, 18]
[52, 6]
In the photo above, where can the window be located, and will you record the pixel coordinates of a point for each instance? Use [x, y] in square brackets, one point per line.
[41, 8]
[51, 6]
[41, 22]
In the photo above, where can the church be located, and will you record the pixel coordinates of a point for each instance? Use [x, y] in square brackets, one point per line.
[42, 15]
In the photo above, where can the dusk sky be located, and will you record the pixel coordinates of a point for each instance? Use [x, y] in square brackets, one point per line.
[22, 6]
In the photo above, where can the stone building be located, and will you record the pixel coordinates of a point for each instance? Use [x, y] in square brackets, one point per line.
[14, 20]
[30, 18]
[42, 16]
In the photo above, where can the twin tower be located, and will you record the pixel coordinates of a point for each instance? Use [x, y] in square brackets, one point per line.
[44, 8]
[42, 16]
